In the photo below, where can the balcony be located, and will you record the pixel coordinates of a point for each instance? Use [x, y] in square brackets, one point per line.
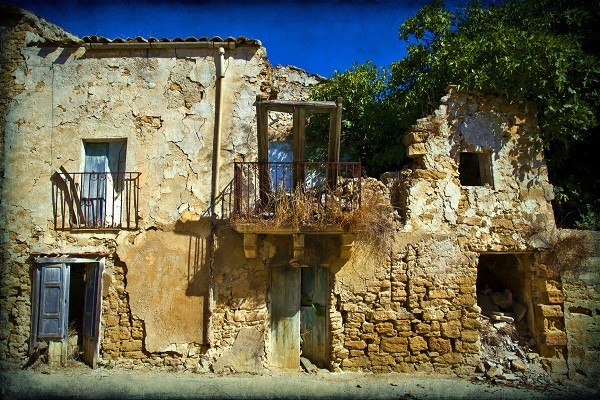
[95, 200]
[278, 197]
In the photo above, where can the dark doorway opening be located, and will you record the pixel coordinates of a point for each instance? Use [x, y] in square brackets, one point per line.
[65, 307]
[504, 294]
[76, 311]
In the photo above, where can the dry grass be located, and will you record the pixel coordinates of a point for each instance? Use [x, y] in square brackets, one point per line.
[319, 209]
[563, 250]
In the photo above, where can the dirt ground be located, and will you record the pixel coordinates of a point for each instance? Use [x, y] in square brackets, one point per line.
[80, 382]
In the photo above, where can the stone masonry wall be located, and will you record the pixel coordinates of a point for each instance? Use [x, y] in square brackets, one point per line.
[412, 310]
[581, 288]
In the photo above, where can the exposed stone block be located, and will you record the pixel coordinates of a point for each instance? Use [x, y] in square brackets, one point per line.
[421, 328]
[432, 314]
[440, 293]
[414, 137]
[550, 311]
[369, 337]
[417, 344]
[394, 344]
[356, 353]
[131, 345]
[354, 363]
[470, 336]
[466, 347]
[451, 329]
[440, 345]
[554, 297]
[465, 300]
[355, 344]
[138, 355]
[416, 150]
[402, 325]
[554, 338]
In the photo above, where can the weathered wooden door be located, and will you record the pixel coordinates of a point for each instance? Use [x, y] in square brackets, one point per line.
[49, 317]
[285, 317]
[314, 321]
[91, 315]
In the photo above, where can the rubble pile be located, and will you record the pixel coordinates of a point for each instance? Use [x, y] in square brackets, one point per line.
[507, 346]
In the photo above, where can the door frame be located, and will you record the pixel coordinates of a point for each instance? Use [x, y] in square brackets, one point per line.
[66, 262]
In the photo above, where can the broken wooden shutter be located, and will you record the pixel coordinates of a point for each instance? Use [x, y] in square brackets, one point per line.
[52, 302]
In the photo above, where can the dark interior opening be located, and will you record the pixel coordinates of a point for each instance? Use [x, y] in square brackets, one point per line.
[503, 287]
[468, 169]
[474, 169]
[76, 309]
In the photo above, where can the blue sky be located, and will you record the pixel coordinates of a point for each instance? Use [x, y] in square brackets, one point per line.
[318, 36]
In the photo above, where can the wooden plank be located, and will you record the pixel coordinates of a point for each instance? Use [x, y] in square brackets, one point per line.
[298, 136]
[274, 230]
[79, 218]
[262, 122]
[335, 129]
[313, 321]
[290, 105]
[89, 314]
[285, 318]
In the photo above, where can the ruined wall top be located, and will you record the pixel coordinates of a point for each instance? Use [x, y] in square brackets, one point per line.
[478, 165]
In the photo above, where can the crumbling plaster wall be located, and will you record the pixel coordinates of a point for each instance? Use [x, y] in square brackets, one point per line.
[496, 216]
[162, 103]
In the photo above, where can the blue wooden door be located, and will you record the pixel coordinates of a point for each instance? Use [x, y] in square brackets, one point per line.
[52, 301]
[285, 317]
[313, 320]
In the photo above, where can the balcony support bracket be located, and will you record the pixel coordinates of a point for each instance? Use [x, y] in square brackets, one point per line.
[298, 246]
[346, 246]
[251, 245]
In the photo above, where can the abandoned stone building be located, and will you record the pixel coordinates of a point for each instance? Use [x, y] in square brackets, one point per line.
[142, 185]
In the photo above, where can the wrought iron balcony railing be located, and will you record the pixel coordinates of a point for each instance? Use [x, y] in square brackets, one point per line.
[313, 189]
[95, 200]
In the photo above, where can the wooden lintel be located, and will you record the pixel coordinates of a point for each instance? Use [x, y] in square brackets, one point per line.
[251, 245]
[290, 105]
[347, 245]
[298, 246]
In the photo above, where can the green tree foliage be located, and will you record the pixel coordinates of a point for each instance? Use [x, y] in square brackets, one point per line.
[544, 51]
[371, 128]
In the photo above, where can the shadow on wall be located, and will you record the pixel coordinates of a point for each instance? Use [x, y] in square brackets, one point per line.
[198, 236]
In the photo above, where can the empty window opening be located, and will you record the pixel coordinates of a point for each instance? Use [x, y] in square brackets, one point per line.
[280, 167]
[475, 169]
